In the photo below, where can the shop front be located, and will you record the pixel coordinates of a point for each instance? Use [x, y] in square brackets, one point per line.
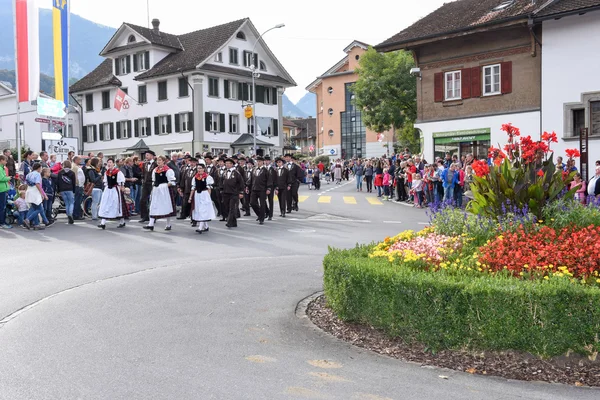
[462, 142]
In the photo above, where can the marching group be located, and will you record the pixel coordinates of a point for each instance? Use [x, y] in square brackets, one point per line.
[202, 187]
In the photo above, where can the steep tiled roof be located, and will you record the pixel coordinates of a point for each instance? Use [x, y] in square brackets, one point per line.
[463, 15]
[101, 76]
[566, 6]
[198, 46]
[287, 122]
[160, 38]
[303, 124]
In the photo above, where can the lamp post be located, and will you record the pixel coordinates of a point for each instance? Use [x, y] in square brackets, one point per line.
[254, 76]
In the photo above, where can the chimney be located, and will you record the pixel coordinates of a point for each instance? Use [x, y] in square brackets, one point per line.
[155, 25]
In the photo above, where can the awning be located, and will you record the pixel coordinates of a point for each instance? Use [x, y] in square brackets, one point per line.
[139, 147]
[248, 140]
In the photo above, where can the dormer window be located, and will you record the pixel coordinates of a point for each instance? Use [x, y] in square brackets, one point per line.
[131, 39]
[241, 35]
[263, 67]
[122, 65]
[141, 61]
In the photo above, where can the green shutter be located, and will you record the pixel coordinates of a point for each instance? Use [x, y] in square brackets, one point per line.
[136, 127]
[190, 121]
[156, 126]
[222, 122]
[117, 66]
[135, 63]
[147, 60]
[226, 88]
[207, 121]
[274, 96]
[177, 127]
[118, 130]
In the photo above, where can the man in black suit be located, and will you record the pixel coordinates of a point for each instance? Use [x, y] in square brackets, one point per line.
[149, 166]
[247, 174]
[271, 196]
[296, 177]
[261, 187]
[213, 171]
[283, 185]
[233, 191]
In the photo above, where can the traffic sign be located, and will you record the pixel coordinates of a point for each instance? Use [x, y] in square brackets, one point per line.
[50, 107]
[332, 152]
[248, 112]
[47, 121]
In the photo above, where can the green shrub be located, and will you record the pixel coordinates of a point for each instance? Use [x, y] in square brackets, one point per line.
[323, 159]
[449, 311]
[563, 213]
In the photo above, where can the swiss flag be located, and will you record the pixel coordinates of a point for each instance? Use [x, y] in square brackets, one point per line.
[121, 102]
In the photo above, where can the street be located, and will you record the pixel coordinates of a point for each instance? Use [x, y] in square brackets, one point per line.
[129, 314]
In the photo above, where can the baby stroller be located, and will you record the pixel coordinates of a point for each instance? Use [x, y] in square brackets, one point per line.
[10, 205]
[58, 209]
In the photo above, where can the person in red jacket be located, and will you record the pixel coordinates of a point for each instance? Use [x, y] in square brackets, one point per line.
[459, 188]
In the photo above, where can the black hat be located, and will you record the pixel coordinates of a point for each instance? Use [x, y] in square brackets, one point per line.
[230, 160]
[208, 155]
[234, 157]
[187, 157]
[241, 158]
[279, 159]
[192, 159]
[250, 161]
[267, 158]
[259, 158]
[151, 152]
[288, 155]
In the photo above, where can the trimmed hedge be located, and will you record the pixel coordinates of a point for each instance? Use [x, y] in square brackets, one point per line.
[450, 311]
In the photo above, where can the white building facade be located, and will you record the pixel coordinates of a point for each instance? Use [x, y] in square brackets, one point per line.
[186, 93]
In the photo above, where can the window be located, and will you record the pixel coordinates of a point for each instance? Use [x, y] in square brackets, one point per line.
[268, 94]
[241, 35]
[218, 151]
[331, 132]
[263, 67]
[123, 129]
[234, 121]
[357, 57]
[219, 57]
[106, 100]
[183, 87]
[251, 125]
[107, 131]
[122, 65]
[231, 90]
[213, 86]
[233, 56]
[125, 90]
[162, 90]
[250, 59]
[90, 134]
[164, 125]
[142, 96]
[214, 122]
[453, 85]
[329, 90]
[131, 39]
[89, 102]
[141, 61]
[330, 111]
[143, 127]
[578, 121]
[595, 118]
[182, 122]
[491, 79]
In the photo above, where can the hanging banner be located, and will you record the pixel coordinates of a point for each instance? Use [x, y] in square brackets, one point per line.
[60, 35]
[583, 150]
[264, 123]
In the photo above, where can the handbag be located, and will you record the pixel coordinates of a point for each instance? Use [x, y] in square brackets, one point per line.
[88, 188]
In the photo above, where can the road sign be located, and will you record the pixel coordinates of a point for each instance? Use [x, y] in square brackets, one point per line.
[332, 152]
[51, 107]
[61, 147]
[248, 112]
[47, 121]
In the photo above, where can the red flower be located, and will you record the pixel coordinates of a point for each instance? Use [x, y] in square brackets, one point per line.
[480, 168]
[572, 153]
[540, 173]
[511, 131]
[549, 137]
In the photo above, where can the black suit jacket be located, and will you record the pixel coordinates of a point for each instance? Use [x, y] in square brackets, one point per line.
[147, 173]
[234, 184]
[261, 180]
[248, 177]
[273, 172]
[284, 180]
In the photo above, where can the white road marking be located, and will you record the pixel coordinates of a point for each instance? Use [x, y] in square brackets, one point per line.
[424, 223]
[336, 187]
[392, 222]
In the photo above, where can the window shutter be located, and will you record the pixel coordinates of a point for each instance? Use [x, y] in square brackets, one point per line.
[128, 66]
[95, 133]
[260, 94]
[438, 87]
[226, 88]
[207, 121]
[136, 127]
[465, 83]
[147, 60]
[476, 82]
[84, 134]
[506, 77]
[245, 91]
[230, 123]
[256, 60]
[169, 127]
[222, 122]
[118, 130]
[135, 63]
[112, 131]
[275, 127]
[101, 132]
[274, 97]
[129, 128]
[190, 121]
[177, 128]
[148, 126]
[117, 69]
[156, 126]
[245, 54]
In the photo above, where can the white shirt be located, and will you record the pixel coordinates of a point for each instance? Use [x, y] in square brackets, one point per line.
[592, 185]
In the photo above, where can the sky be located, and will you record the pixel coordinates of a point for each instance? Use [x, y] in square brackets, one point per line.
[312, 41]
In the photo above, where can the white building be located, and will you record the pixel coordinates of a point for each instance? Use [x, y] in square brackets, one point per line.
[188, 92]
[31, 130]
[571, 74]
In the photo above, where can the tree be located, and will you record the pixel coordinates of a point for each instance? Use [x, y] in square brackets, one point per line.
[385, 91]
[409, 137]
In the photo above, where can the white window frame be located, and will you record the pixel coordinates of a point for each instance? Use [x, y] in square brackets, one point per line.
[107, 131]
[163, 121]
[184, 122]
[250, 123]
[455, 92]
[237, 56]
[216, 86]
[249, 59]
[215, 118]
[122, 66]
[217, 150]
[141, 59]
[143, 127]
[125, 134]
[235, 122]
[90, 133]
[233, 87]
[490, 69]
[219, 57]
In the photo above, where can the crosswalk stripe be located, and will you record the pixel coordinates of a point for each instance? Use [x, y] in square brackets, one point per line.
[349, 200]
[324, 199]
[374, 201]
[302, 199]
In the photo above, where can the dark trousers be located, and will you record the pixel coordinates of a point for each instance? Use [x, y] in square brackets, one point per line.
[77, 210]
[186, 207]
[145, 201]
[48, 207]
[317, 183]
[3, 200]
[218, 199]
[246, 201]
[282, 197]
[231, 203]
[292, 197]
[369, 183]
[270, 202]
[258, 202]
[400, 192]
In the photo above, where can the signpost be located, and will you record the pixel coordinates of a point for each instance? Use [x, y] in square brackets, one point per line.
[61, 147]
[47, 121]
[50, 107]
[332, 152]
[583, 150]
[248, 112]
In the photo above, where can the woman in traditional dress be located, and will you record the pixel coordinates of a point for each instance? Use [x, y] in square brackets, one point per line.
[162, 203]
[112, 204]
[202, 205]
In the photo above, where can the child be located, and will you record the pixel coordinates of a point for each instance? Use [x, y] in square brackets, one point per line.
[387, 179]
[128, 200]
[417, 187]
[21, 207]
[48, 187]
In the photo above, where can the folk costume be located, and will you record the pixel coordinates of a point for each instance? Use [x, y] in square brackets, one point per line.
[213, 171]
[202, 205]
[283, 184]
[185, 185]
[233, 187]
[162, 204]
[112, 204]
[261, 182]
[147, 168]
[248, 169]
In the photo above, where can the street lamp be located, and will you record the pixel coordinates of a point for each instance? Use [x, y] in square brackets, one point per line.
[256, 75]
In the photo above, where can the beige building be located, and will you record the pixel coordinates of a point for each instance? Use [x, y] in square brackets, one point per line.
[340, 130]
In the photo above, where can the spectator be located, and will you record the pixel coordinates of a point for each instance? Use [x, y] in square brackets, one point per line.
[25, 166]
[580, 185]
[4, 187]
[48, 185]
[66, 184]
[80, 174]
[10, 163]
[359, 171]
[137, 173]
[35, 197]
[369, 176]
[45, 159]
[21, 208]
[93, 175]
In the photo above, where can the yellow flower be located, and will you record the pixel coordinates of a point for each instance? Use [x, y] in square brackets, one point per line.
[546, 277]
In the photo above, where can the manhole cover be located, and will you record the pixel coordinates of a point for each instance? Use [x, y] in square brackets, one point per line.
[301, 230]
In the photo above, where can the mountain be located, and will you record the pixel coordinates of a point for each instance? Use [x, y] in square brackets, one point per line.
[308, 104]
[290, 109]
[46, 82]
[87, 39]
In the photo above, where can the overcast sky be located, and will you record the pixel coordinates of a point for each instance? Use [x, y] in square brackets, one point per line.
[312, 41]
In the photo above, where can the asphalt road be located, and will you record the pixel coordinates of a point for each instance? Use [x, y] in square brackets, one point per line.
[128, 314]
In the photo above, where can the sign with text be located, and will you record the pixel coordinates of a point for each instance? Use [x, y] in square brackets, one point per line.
[583, 150]
[61, 148]
[50, 108]
[469, 132]
[248, 112]
[47, 121]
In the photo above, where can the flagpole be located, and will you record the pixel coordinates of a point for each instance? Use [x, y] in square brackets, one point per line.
[148, 12]
[17, 87]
